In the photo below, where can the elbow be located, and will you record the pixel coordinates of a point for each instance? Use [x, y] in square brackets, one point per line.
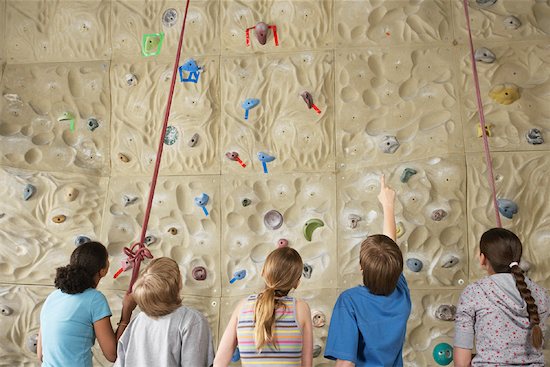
[110, 357]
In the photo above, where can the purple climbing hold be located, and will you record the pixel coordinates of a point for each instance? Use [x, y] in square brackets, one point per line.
[261, 30]
[199, 273]
[438, 215]
[273, 219]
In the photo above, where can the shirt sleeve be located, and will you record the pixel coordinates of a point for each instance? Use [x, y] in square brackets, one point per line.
[99, 307]
[465, 320]
[197, 348]
[343, 334]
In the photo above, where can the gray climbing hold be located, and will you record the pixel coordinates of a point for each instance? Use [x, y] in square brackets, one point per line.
[273, 219]
[32, 341]
[5, 310]
[414, 265]
[353, 220]
[512, 22]
[307, 271]
[246, 202]
[131, 80]
[450, 261]
[446, 312]
[149, 240]
[318, 319]
[438, 215]
[80, 240]
[170, 17]
[485, 55]
[92, 123]
[525, 265]
[199, 273]
[129, 200]
[194, 140]
[407, 174]
[28, 192]
[507, 208]
[485, 3]
[317, 349]
[389, 144]
[534, 136]
[171, 135]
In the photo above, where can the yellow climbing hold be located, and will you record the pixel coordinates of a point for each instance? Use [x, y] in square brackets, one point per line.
[505, 93]
[59, 218]
[487, 130]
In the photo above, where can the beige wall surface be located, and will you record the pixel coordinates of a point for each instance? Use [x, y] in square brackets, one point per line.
[397, 68]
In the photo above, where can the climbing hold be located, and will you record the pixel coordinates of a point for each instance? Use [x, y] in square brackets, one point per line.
[389, 144]
[353, 220]
[525, 265]
[171, 135]
[201, 201]
[129, 200]
[318, 319]
[67, 116]
[5, 310]
[446, 312]
[70, 194]
[283, 242]
[80, 240]
[194, 140]
[414, 265]
[485, 3]
[199, 273]
[92, 123]
[149, 240]
[438, 215]
[236, 355]
[249, 104]
[59, 218]
[308, 99]
[265, 158]
[261, 30]
[29, 191]
[125, 264]
[151, 44]
[534, 136]
[317, 349]
[273, 219]
[511, 22]
[450, 261]
[487, 130]
[246, 202]
[407, 173]
[505, 93]
[170, 17]
[307, 271]
[443, 354]
[507, 208]
[400, 229]
[238, 275]
[310, 226]
[123, 158]
[173, 231]
[485, 55]
[234, 156]
[32, 341]
[131, 79]
[194, 71]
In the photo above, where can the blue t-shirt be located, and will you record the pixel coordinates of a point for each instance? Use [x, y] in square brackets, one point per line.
[66, 326]
[367, 329]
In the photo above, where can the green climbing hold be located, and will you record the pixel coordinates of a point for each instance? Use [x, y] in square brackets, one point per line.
[171, 135]
[443, 354]
[310, 226]
[151, 44]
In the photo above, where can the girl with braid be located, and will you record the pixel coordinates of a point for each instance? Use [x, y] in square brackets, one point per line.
[504, 311]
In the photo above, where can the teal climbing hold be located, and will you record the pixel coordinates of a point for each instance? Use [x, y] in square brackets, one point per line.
[443, 354]
[171, 135]
[407, 173]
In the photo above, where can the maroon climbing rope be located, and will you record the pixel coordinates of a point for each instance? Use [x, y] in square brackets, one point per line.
[137, 256]
[481, 113]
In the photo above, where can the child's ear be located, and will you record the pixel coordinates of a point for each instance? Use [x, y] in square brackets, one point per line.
[482, 260]
[103, 272]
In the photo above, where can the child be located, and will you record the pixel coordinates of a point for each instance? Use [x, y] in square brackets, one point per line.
[505, 311]
[75, 314]
[166, 333]
[368, 322]
[271, 328]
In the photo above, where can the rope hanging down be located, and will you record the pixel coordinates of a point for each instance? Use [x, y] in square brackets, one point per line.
[488, 160]
[139, 254]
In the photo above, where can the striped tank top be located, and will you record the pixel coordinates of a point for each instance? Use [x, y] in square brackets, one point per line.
[287, 333]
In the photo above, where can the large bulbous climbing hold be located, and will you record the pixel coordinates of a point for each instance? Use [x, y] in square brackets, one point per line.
[307, 271]
[485, 55]
[353, 220]
[169, 17]
[199, 273]
[28, 191]
[450, 261]
[507, 208]
[273, 219]
[438, 215]
[261, 30]
[485, 3]
[310, 226]
[317, 349]
[414, 265]
[32, 342]
[511, 22]
[505, 93]
[5, 310]
[389, 144]
[534, 136]
[407, 174]
[446, 312]
[80, 240]
[443, 354]
[318, 319]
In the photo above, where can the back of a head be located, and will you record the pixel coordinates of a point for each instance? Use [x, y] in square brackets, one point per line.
[382, 263]
[157, 291]
[86, 262]
[503, 250]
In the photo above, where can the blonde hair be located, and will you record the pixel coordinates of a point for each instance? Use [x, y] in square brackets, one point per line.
[157, 291]
[282, 271]
[382, 263]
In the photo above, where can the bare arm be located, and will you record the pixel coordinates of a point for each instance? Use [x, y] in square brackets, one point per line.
[387, 199]
[303, 316]
[462, 357]
[228, 342]
[342, 363]
[39, 346]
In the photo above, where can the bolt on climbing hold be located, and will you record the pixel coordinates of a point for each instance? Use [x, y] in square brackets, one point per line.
[151, 44]
[246, 202]
[310, 226]
[283, 242]
[389, 144]
[236, 355]
[149, 240]
[438, 215]
[194, 140]
[173, 231]
[32, 342]
[487, 130]
[414, 265]
[446, 312]
[92, 123]
[190, 66]
[534, 136]
[234, 156]
[450, 261]
[407, 174]
[306, 272]
[238, 275]
[524, 265]
[201, 201]
[317, 349]
[169, 17]
[318, 319]
[512, 22]
[308, 99]
[171, 135]
[67, 116]
[261, 30]
[273, 219]
[80, 240]
[507, 208]
[485, 3]
[485, 55]
[249, 104]
[400, 229]
[70, 194]
[505, 93]
[59, 218]
[265, 158]
[131, 79]
[443, 354]
[5, 310]
[123, 158]
[199, 273]
[28, 191]
[129, 200]
[353, 220]
[125, 264]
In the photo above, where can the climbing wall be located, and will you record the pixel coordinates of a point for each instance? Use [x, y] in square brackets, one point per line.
[81, 113]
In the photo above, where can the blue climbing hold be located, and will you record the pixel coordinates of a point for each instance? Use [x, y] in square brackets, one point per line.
[238, 275]
[507, 208]
[249, 104]
[80, 240]
[236, 355]
[28, 192]
[263, 157]
[191, 67]
[201, 201]
[414, 265]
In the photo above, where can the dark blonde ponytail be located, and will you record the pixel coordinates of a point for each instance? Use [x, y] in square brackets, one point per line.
[264, 315]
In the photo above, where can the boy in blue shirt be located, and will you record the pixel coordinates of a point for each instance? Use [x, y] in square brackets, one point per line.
[368, 322]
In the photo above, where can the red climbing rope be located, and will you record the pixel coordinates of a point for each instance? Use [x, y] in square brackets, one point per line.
[136, 256]
[488, 159]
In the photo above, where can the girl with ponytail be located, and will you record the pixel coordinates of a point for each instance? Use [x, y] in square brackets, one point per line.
[76, 313]
[505, 311]
[272, 327]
